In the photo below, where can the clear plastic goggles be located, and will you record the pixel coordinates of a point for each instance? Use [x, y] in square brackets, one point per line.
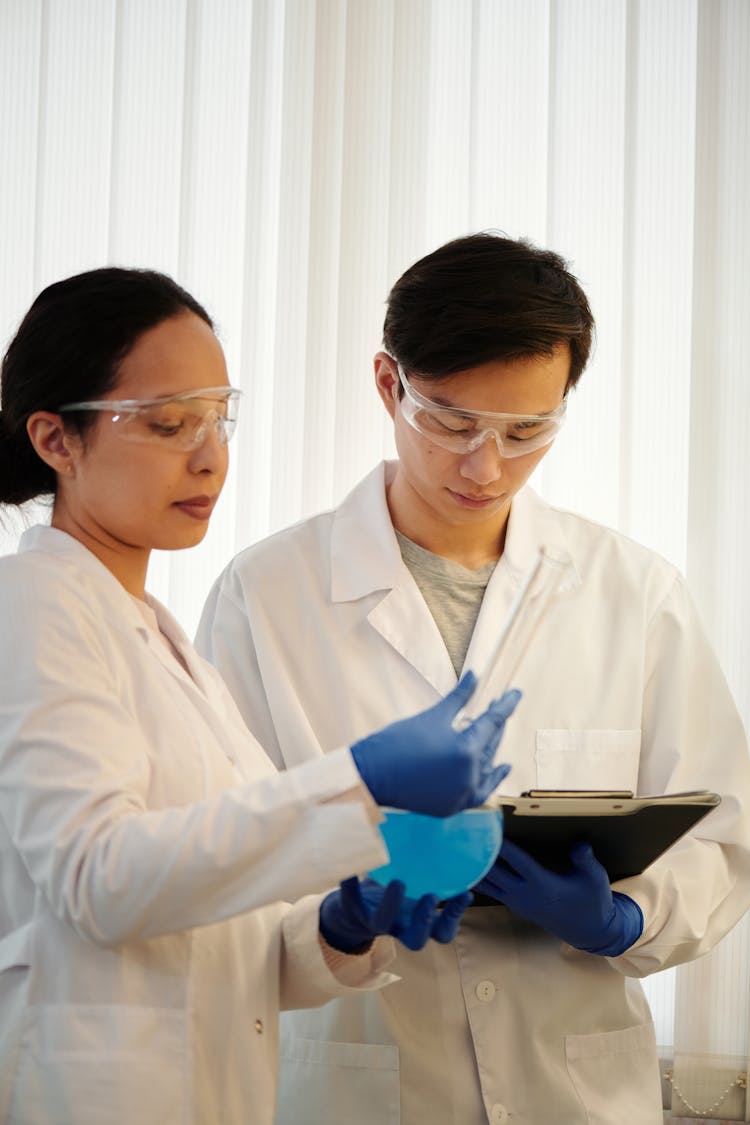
[463, 431]
[180, 422]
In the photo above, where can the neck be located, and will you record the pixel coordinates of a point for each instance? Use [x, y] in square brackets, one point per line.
[471, 544]
[128, 564]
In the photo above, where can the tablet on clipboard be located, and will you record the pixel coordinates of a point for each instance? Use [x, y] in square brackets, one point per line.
[627, 833]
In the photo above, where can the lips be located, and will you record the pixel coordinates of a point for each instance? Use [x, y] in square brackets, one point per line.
[473, 501]
[199, 507]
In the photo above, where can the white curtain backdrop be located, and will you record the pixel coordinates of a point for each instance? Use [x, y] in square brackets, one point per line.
[287, 159]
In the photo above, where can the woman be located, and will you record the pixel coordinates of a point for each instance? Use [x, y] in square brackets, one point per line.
[144, 839]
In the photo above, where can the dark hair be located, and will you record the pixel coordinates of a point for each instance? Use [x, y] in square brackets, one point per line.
[486, 297]
[69, 348]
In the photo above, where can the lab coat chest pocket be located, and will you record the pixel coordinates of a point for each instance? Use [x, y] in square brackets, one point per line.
[616, 1076]
[587, 759]
[83, 1062]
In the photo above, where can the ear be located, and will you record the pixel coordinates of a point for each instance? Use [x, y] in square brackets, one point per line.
[56, 447]
[386, 380]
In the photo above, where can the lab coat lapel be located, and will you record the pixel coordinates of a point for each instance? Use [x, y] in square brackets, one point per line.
[196, 676]
[201, 681]
[404, 621]
[365, 560]
[200, 684]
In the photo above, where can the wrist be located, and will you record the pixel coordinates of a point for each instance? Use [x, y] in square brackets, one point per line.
[623, 928]
[359, 755]
[333, 955]
[336, 932]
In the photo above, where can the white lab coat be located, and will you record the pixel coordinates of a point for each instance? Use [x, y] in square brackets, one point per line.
[323, 636]
[139, 823]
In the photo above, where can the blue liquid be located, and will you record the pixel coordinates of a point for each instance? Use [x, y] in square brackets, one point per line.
[440, 856]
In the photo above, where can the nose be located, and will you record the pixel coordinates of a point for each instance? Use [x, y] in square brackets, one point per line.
[210, 455]
[484, 464]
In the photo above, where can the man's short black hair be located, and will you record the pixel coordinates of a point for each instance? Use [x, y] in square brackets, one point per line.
[485, 297]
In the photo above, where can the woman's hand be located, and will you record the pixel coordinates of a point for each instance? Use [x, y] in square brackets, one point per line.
[359, 911]
[423, 765]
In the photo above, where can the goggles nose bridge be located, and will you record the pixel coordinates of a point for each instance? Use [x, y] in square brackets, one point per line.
[480, 438]
[211, 420]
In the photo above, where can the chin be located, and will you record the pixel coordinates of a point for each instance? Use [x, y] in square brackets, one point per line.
[181, 542]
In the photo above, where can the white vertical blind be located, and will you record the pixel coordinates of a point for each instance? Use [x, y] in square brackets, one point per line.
[586, 215]
[287, 159]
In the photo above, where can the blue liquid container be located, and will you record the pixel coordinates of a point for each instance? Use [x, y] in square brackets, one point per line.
[442, 856]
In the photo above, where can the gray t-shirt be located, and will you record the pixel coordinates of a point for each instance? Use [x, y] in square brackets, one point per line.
[453, 594]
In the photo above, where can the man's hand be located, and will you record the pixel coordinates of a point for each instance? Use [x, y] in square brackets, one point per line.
[578, 906]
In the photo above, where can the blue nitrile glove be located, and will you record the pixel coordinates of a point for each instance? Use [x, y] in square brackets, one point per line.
[578, 906]
[423, 765]
[359, 911]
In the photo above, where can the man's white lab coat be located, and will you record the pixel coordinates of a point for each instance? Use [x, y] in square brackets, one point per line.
[137, 819]
[323, 636]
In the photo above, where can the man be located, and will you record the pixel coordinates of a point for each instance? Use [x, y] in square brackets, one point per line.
[534, 1013]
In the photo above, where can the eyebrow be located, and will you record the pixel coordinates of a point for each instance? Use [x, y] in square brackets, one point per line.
[468, 412]
[440, 401]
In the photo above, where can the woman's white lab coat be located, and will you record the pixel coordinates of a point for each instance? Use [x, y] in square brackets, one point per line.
[621, 690]
[139, 822]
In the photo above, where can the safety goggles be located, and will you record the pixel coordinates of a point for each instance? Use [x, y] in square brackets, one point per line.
[463, 431]
[180, 422]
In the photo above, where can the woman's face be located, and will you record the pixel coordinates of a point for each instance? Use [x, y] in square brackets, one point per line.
[123, 498]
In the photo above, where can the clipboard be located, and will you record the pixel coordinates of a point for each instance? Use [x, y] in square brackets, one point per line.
[627, 833]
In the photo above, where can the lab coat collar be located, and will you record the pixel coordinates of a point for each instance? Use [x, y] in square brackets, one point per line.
[365, 558]
[52, 541]
[365, 554]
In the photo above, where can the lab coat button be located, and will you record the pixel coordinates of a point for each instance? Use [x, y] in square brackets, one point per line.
[259, 1026]
[485, 990]
[498, 1114]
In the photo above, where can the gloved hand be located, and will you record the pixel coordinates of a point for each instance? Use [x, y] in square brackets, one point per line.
[352, 916]
[578, 906]
[422, 764]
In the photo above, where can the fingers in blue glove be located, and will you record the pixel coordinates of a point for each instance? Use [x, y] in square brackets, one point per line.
[445, 926]
[385, 919]
[456, 699]
[424, 765]
[487, 730]
[488, 727]
[415, 931]
[491, 778]
[503, 707]
[577, 905]
[582, 860]
[358, 912]
[518, 862]
[582, 856]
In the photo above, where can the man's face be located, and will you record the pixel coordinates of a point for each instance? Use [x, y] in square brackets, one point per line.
[439, 488]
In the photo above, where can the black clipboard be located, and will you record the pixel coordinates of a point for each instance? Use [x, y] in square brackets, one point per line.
[627, 833]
